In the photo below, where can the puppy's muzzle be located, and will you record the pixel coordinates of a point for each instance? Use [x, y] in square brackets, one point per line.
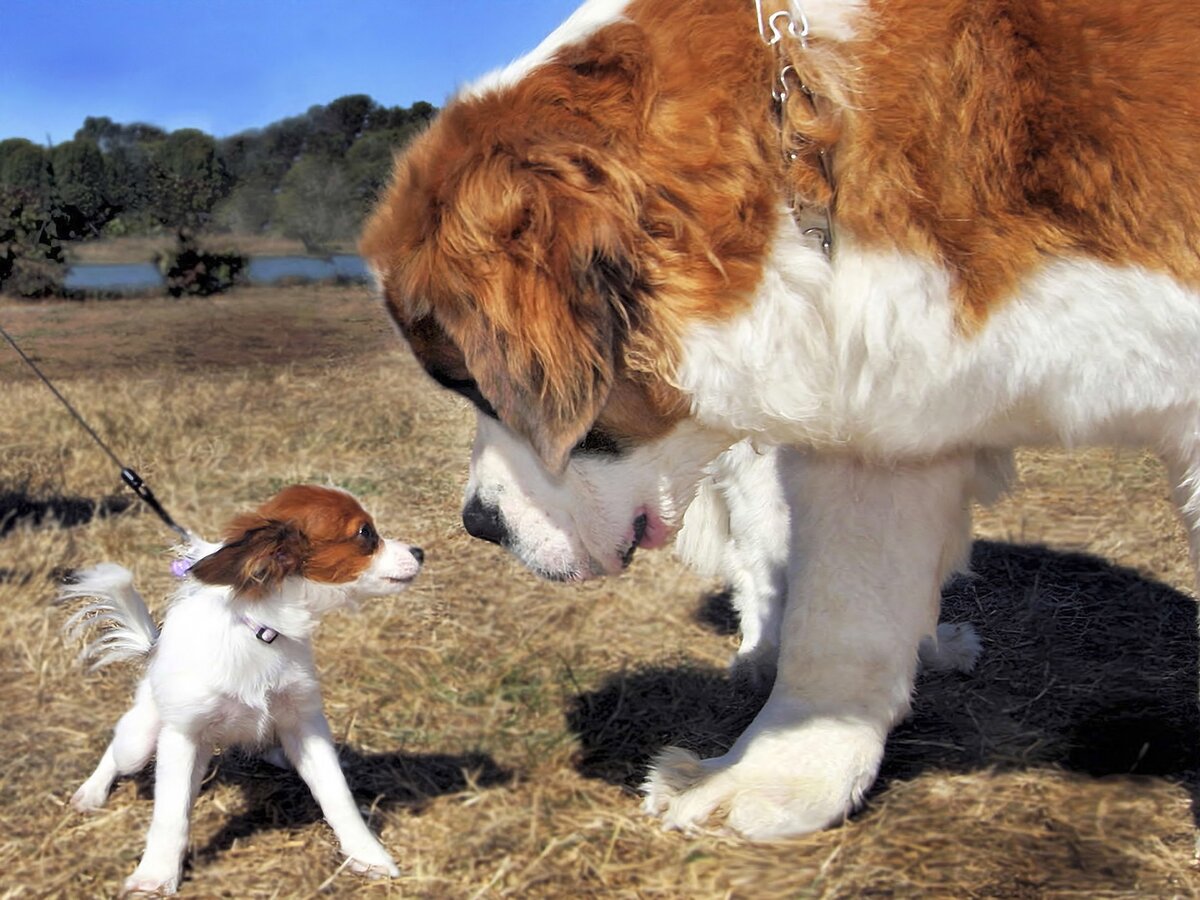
[484, 522]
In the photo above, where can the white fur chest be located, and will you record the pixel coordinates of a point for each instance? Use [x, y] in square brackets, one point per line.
[209, 667]
[865, 356]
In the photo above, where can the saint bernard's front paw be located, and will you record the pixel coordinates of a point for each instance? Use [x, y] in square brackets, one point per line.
[776, 781]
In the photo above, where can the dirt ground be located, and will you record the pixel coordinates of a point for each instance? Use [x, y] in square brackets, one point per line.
[495, 727]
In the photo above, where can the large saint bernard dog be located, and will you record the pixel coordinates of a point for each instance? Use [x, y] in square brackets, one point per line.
[894, 237]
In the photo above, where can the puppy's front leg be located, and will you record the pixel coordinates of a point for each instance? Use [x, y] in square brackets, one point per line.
[180, 765]
[309, 745]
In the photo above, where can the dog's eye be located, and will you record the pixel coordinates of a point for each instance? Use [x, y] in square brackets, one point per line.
[466, 388]
[598, 442]
[368, 536]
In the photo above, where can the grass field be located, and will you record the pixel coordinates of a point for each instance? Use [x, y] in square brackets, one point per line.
[495, 726]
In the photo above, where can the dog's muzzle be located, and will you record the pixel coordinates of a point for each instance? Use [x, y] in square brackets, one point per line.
[484, 522]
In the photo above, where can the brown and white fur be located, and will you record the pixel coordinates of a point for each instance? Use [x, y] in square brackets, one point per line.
[602, 246]
[233, 663]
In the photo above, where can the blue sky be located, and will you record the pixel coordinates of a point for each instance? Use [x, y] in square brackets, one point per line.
[226, 66]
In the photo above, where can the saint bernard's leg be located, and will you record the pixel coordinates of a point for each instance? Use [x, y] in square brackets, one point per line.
[1181, 454]
[1183, 469]
[870, 549]
[748, 479]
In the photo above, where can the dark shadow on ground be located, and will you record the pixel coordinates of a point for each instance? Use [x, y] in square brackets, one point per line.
[279, 798]
[635, 714]
[19, 507]
[716, 613]
[1086, 666]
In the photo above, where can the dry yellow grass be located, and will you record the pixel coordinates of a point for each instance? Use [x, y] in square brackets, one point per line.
[494, 724]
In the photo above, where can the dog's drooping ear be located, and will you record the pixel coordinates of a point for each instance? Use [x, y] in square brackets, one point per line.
[508, 245]
[257, 561]
[548, 377]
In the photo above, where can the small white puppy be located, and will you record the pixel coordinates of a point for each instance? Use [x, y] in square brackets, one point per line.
[233, 663]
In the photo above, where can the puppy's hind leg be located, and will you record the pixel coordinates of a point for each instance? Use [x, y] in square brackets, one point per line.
[736, 528]
[180, 766]
[130, 749]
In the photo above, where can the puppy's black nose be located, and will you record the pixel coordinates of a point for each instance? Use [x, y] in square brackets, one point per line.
[483, 522]
[417, 553]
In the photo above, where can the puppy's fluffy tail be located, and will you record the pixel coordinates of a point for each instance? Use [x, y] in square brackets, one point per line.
[130, 633]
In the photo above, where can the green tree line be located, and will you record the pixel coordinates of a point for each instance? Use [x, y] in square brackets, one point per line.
[310, 177]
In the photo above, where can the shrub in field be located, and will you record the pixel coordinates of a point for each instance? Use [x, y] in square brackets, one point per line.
[31, 255]
[316, 203]
[32, 276]
[190, 270]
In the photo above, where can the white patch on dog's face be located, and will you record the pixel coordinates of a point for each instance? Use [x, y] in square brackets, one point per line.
[394, 567]
[588, 521]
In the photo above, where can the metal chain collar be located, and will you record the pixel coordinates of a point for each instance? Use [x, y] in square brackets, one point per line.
[774, 28]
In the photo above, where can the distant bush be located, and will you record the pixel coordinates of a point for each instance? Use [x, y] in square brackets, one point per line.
[32, 263]
[187, 269]
[130, 224]
[33, 277]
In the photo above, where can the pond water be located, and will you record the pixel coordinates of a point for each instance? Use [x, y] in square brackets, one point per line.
[269, 269]
[118, 277]
[112, 277]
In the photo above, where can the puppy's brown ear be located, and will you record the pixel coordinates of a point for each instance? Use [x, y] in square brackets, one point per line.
[257, 560]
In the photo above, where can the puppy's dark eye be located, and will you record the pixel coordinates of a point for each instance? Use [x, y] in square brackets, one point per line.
[368, 537]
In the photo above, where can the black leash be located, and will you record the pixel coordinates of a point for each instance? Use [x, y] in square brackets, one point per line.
[128, 475]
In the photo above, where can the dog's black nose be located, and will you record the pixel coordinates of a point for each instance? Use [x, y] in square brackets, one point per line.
[483, 522]
[417, 553]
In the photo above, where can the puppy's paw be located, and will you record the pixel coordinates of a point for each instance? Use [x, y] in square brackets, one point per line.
[277, 758]
[90, 797]
[372, 862]
[149, 882]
